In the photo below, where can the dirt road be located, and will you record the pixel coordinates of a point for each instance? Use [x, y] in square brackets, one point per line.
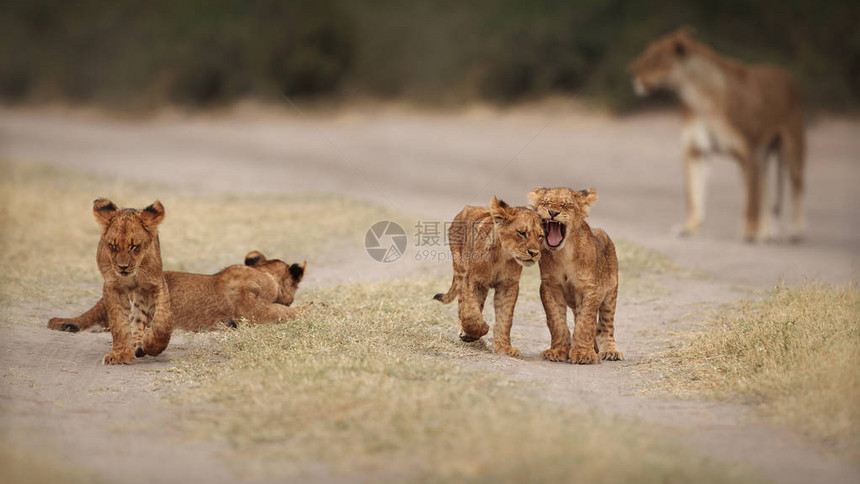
[431, 165]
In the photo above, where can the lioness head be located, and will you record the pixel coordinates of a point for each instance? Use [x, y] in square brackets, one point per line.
[128, 235]
[288, 275]
[518, 230]
[562, 211]
[659, 66]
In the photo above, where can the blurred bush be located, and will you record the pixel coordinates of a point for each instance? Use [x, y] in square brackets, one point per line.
[132, 54]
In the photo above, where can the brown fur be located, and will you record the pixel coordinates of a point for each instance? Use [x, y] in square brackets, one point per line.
[581, 271]
[748, 112]
[260, 291]
[489, 247]
[135, 294]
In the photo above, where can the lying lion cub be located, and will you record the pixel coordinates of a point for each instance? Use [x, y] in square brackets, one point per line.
[259, 291]
[489, 247]
[578, 268]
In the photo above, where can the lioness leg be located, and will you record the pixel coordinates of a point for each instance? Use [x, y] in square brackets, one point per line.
[604, 343]
[470, 306]
[696, 171]
[555, 307]
[584, 331]
[793, 153]
[753, 181]
[161, 323]
[97, 315]
[118, 312]
[504, 301]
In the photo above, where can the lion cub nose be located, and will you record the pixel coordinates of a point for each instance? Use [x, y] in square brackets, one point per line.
[533, 252]
[553, 213]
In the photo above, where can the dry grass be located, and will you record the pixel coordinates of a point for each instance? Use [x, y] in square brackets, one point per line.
[795, 353]
[18, 466]
[373, 385]
[635, 261]
[48, 236]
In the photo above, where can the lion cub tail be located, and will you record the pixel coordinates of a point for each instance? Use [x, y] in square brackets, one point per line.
[451, 294]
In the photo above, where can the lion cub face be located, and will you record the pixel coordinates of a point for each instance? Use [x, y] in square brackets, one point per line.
[288, 275]
[562, 211]
[660, 65]
[518, 230]
[127, 235]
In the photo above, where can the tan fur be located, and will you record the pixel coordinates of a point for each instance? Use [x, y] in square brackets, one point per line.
[748, 112]
[581, 271]
[260, 291]
[489, 247]
[135, 294]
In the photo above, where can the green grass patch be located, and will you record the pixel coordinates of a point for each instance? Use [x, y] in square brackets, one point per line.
[794, 353]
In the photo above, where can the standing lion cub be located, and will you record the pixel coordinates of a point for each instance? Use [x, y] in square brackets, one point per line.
[578, 268]
[489, 247]
[135, 293]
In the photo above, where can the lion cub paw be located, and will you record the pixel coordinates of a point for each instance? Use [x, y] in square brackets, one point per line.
[584, 356]
[553, 354]
[506, 350]
[114, 358]
[611, 355]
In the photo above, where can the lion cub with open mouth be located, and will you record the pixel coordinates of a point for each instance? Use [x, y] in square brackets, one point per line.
[578, 268]
[489, 247]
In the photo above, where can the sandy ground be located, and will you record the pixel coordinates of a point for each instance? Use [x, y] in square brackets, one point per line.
[57, 399]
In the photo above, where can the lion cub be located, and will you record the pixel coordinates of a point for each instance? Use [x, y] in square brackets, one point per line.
[578, 268]
[260, 291]
[489, 247]
[135, 293]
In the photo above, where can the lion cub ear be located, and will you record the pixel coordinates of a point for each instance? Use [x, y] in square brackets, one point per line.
[501, 211]
[535, 195]
[153, 214]
[104, 210]
[254, 258]
[587, 198]
[297, 271]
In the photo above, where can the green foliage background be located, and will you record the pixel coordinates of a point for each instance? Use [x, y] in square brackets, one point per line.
[132, 54]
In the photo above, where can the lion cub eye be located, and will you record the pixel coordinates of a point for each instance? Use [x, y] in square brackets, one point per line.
[134, 247]
[113, 247]
[523, 234]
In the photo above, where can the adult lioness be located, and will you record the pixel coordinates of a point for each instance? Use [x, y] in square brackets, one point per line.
[745, 111]
[135, 294]
[578, 268]
[260, 291]
[489, 247]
